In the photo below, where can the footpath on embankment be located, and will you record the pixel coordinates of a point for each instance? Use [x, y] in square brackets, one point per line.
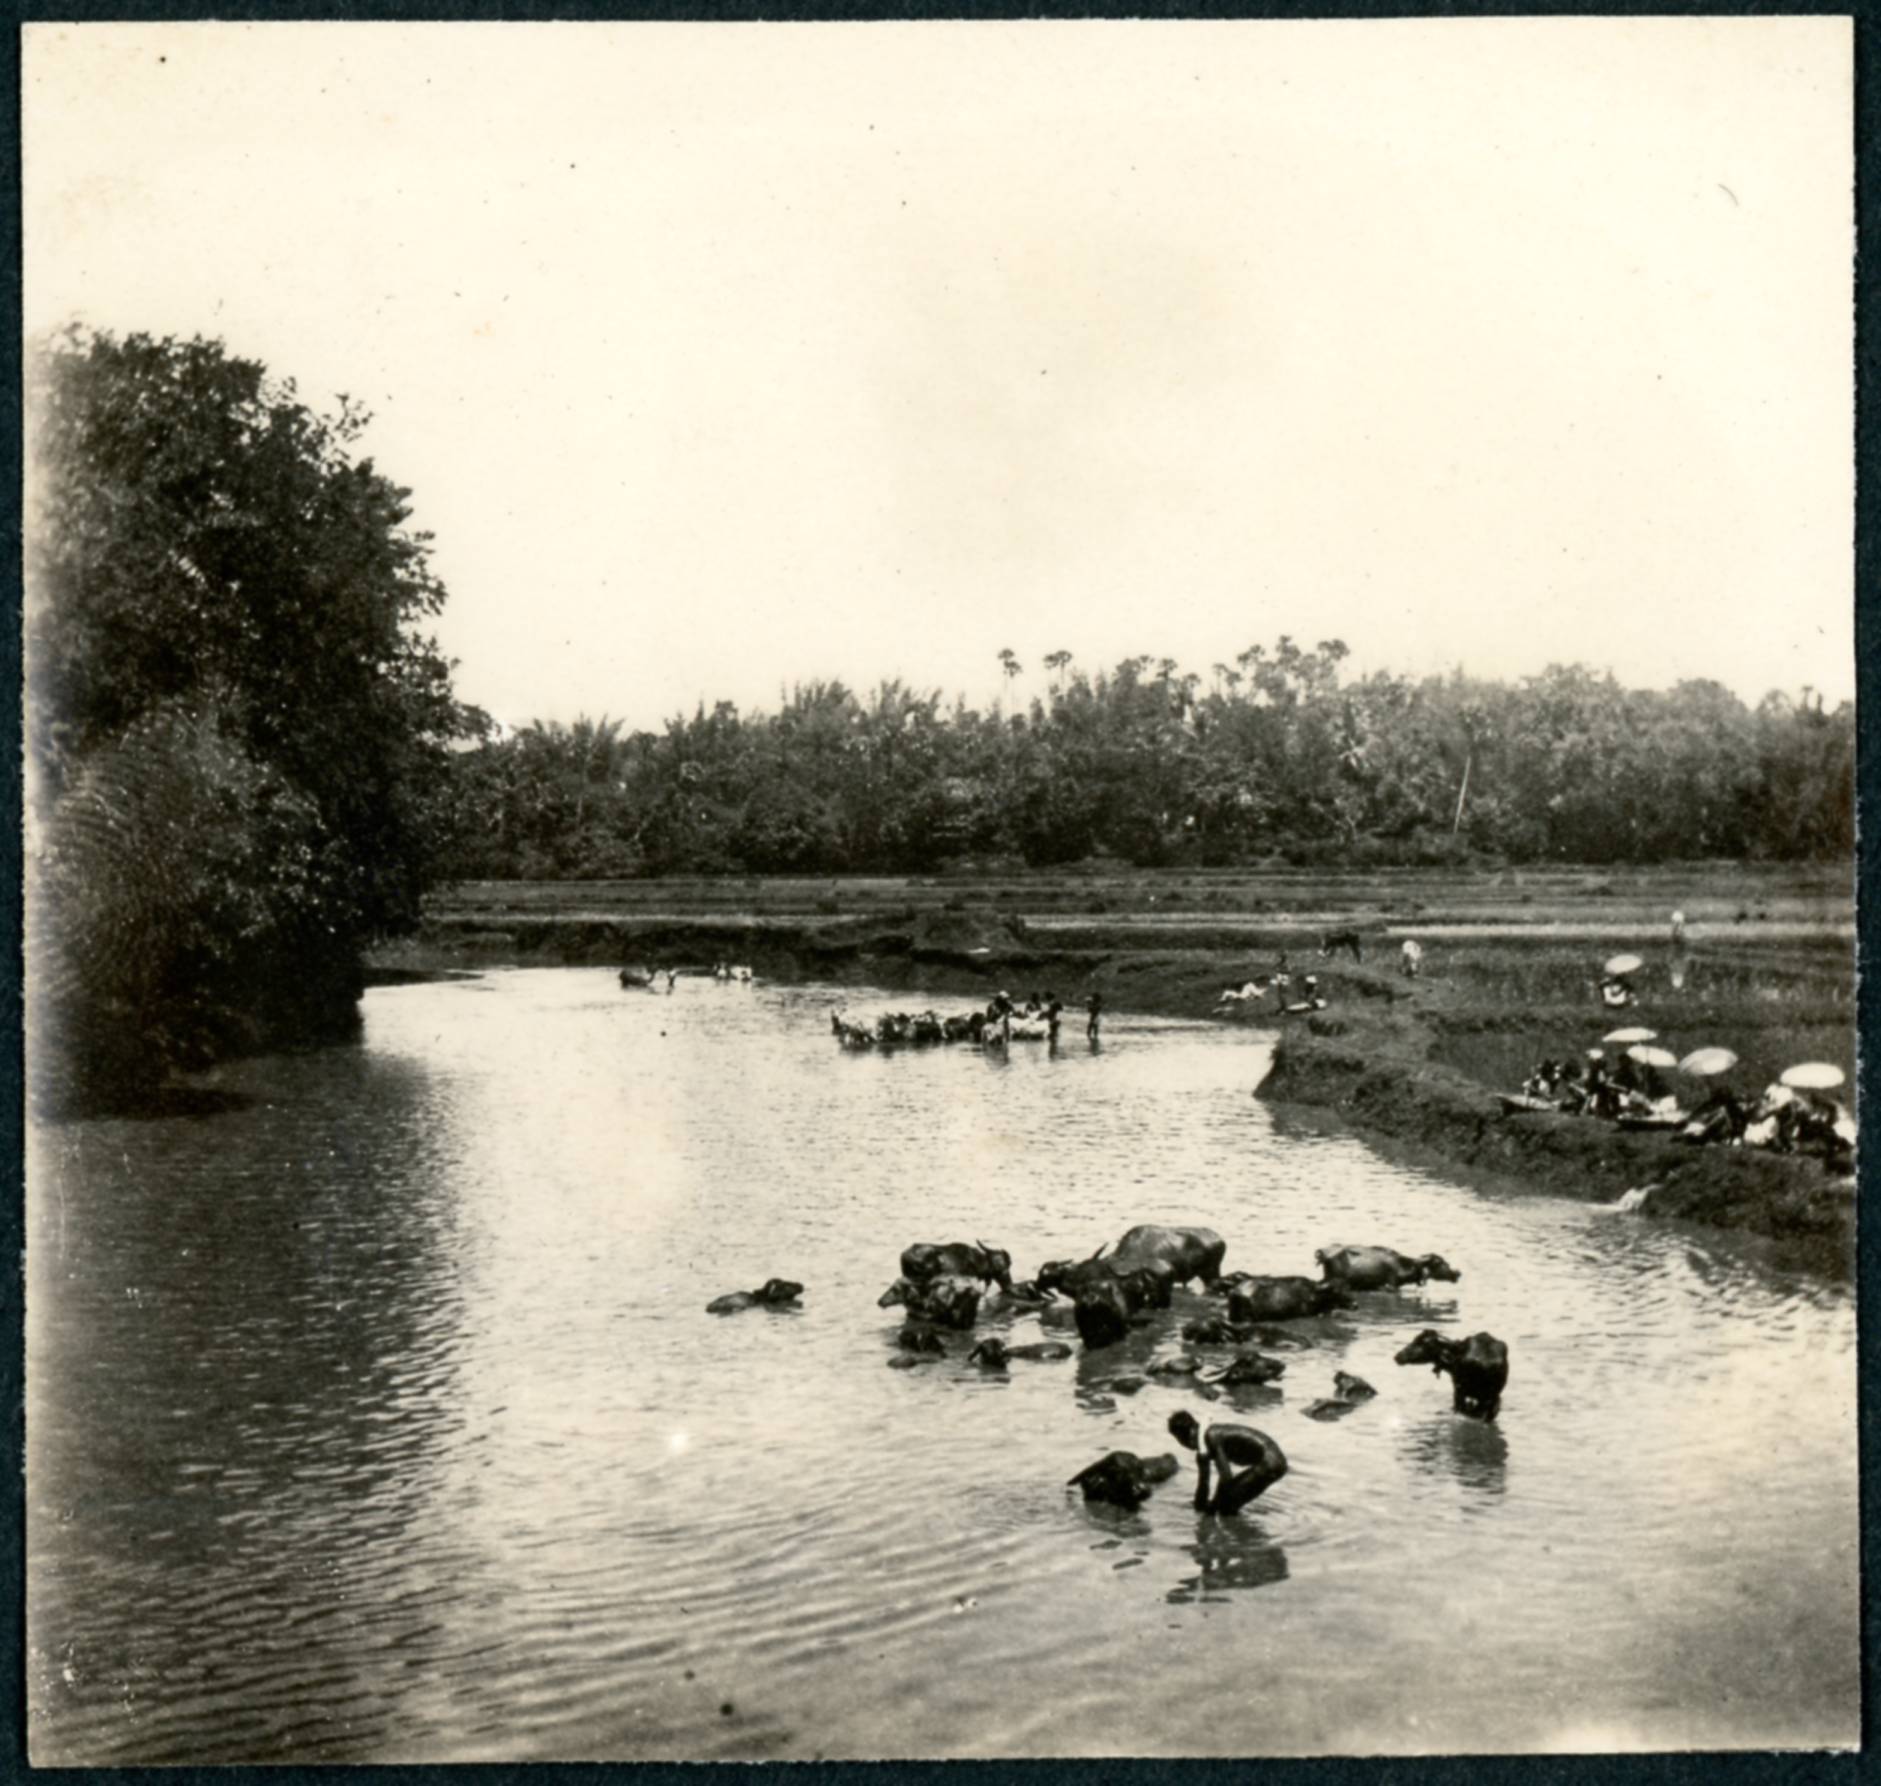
[1372, 1056]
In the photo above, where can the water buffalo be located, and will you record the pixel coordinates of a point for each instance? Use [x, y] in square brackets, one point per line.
[1335, 940]
[1478, 1368]
[1027, 1293]
[1279, 1339]
[1183, 1365]
[1188, 1252]
[941, 1301]
[1379, 1268]
[1225, 1284]
[995, 1354]
[1146, 1282]
[1102, 1312]
[1348, 1392]
[1152, 1280]
[914, 1337]
[775, 1292]
[1283, 1299]
[1122, 1478]
[1216, 1330]
[957, 1258]
[1250, 1368]
[1246, 1463]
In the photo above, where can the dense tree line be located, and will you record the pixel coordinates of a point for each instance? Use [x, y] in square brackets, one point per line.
[237, 737]
[1276, 755]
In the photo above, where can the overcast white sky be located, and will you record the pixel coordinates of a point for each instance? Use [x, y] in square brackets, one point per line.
[721, 357]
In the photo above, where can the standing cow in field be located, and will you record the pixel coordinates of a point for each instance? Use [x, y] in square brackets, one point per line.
[1334, 940]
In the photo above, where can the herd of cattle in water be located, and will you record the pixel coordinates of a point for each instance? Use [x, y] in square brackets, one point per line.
[942, 1288]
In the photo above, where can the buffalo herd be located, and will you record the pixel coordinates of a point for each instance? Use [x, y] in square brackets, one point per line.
[1107, 1294]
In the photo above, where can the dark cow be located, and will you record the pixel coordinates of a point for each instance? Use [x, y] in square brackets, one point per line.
[1216, 1330]
[941, 1301]
[1250, 1369]
[1153, 1280]
[775, 1292]
[1103, 1313]
[1348, 1392]
[957, 1258]
[916, 1338]
[1027, 1293]
[1335, 940]
[1227, 1281]
[995, 1354]
[1122, 1478]
[1283, 1299]
[1379, 1268]
[1188, 1252]
[1478, 1368]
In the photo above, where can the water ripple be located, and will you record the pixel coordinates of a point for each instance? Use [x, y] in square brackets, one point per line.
[380, 1420]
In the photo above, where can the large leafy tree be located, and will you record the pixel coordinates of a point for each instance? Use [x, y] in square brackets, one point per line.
[224, 609]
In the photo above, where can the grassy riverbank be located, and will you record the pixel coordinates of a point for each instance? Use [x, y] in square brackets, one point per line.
[1510, 964]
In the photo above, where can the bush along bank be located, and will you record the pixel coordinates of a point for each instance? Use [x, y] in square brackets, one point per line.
[1368, 1056]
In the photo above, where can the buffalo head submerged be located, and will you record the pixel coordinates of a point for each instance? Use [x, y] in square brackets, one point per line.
[1430, 1265]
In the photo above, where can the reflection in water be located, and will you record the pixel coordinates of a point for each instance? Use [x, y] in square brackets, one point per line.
[1475, 1452]
[378, 1418]
[1229, 1553]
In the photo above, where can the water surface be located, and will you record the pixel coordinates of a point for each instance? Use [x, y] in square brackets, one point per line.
[377, 1418]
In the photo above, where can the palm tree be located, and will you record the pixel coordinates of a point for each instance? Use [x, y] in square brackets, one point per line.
[1009, 663]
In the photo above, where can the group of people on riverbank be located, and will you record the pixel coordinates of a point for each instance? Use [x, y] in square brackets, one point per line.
[1631, 1091]
[1289, 1000]
[1794, 1114]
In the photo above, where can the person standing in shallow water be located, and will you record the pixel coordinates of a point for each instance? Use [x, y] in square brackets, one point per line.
[1246, 1463]
[1094, 1005]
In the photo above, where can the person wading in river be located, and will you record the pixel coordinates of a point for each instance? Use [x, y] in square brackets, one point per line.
[1246, 1462]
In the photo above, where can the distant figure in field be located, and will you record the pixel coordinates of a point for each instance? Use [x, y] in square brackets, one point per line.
[1678, 928]
[1095, 1006]
[1411, 958]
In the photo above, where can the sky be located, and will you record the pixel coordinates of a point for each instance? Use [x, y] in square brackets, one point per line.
[721, 358]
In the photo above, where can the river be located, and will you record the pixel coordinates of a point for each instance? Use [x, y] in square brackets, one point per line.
[374, 1415]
